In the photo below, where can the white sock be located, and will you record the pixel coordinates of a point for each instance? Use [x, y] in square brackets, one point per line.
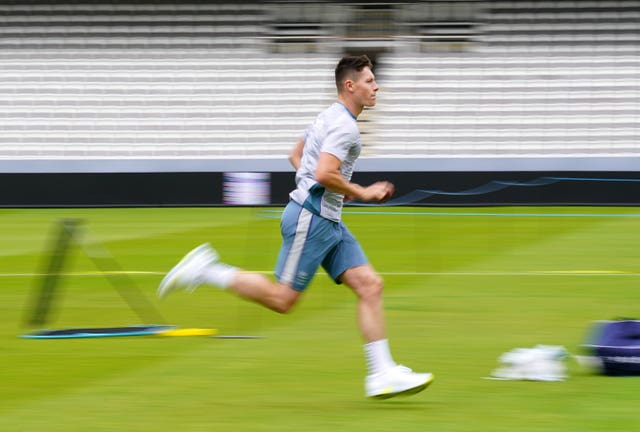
[378, 356]
[219, 274]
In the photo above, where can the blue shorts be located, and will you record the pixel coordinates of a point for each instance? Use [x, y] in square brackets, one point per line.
[308, 241]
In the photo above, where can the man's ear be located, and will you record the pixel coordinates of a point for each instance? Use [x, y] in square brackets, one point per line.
[348, 85]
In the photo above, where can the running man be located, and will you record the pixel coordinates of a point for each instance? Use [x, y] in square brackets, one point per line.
[313, 233]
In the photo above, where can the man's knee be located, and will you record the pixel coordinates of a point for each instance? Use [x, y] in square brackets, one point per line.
[374, 286]
[284, 305]
[287, 297]
[364, 281]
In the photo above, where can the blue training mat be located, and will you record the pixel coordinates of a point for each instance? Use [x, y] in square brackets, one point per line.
[72, 333]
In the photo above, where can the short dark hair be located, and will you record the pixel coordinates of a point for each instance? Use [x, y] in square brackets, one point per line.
[349, 65]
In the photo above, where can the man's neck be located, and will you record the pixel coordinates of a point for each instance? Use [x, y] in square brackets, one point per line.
[353, 107]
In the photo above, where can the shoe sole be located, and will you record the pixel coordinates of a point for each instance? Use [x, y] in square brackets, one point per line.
[407, 392]
[168, 282]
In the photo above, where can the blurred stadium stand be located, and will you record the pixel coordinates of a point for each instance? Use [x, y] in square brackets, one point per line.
[204, 79]
[537, 78]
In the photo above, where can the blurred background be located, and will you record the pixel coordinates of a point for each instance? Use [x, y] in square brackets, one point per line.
[152, 102]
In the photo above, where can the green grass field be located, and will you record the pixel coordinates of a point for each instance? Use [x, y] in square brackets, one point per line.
[462, 287]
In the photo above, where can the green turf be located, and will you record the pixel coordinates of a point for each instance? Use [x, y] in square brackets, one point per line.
[462, 287]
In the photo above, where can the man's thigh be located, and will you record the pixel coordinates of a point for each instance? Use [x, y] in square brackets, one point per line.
[345, 255]
[306, 240]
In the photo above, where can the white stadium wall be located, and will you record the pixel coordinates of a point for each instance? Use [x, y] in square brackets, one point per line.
[506, 89]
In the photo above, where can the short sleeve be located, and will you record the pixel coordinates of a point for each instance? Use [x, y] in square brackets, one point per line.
[340, 139]
[305, 134]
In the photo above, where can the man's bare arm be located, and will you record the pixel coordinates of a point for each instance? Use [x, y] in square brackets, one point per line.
[295, 155]
[328, 174]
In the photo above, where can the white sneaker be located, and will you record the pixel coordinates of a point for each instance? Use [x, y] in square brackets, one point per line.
[397, 381]
[187, 273]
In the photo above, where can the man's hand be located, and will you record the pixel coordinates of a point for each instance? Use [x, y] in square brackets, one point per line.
[379, 192]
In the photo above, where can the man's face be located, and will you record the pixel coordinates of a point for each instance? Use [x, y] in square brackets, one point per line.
[365, 88]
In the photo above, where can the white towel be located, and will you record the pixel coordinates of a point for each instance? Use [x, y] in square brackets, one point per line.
[540, 363]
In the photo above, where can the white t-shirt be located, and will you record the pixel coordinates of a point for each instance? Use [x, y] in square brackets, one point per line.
[334, 131]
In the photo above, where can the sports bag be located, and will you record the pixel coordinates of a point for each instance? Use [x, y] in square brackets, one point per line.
[617, 345]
